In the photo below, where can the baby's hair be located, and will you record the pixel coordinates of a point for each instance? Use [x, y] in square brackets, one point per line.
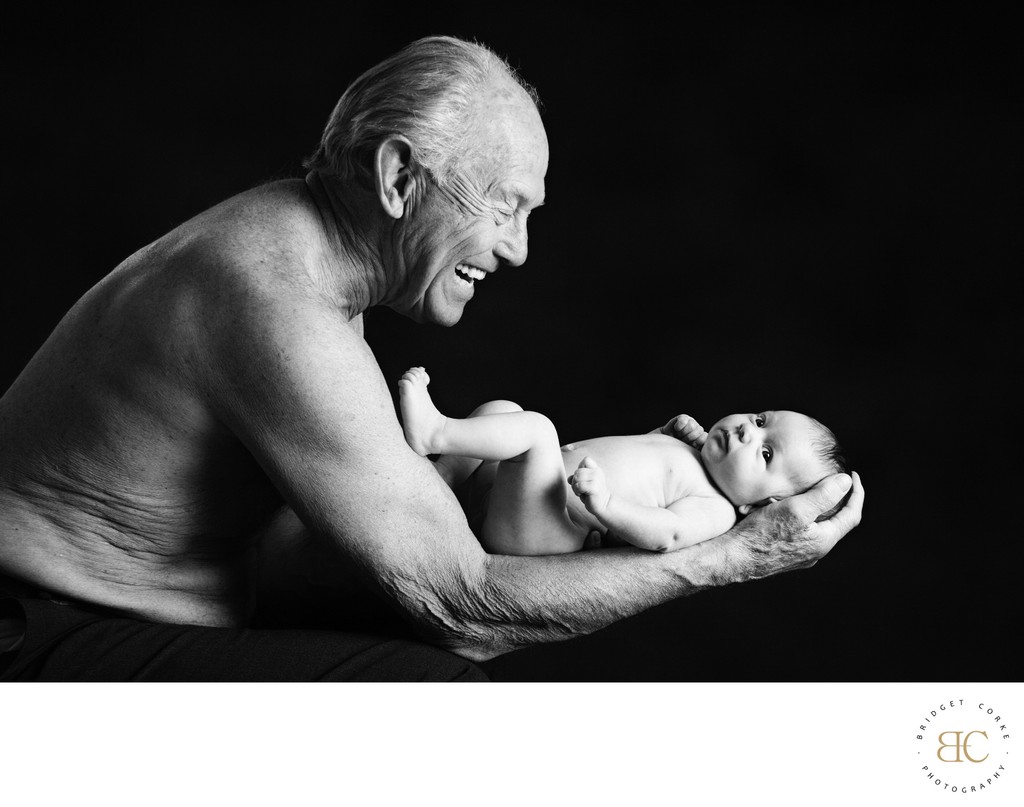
[826, 447]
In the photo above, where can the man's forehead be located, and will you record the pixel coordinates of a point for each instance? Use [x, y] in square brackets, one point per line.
[522, 192]
[511, 121]
[514, 177]
[510, 152]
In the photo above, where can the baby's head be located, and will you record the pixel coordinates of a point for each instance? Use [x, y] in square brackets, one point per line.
[760, 458]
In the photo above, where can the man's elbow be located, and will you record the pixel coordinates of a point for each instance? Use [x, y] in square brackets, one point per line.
[458, 620]
[474, 650]
[470, 641]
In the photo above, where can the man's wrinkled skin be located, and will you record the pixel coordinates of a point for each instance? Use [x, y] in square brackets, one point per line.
[213, 400]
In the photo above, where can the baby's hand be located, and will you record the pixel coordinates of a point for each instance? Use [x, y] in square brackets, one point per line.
[685, 428]
[590, 485]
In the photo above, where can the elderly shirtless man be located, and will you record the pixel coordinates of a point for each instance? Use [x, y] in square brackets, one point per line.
[212, 399]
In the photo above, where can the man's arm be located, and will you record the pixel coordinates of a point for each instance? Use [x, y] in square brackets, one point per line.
[303, 392]
[579, 593]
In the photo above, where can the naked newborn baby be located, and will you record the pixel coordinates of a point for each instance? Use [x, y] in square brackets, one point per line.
[665, 490]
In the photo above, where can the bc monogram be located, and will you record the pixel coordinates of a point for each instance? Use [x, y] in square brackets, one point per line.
[961, 746]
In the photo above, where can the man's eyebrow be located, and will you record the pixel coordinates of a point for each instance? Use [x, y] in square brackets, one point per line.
[521, 196]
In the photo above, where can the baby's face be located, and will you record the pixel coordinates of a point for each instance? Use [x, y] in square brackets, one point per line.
[755, 458]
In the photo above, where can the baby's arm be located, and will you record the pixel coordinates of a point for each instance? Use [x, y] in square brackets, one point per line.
[683, 523]
[685, 428]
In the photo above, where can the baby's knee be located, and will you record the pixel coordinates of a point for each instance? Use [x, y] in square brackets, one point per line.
[544, 424]
[496, 408]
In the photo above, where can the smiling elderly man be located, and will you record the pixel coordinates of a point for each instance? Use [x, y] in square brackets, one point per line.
[214, 392]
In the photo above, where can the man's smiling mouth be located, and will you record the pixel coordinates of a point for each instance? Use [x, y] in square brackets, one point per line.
[469, 274]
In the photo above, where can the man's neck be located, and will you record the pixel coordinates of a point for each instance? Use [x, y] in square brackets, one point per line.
[353, 270]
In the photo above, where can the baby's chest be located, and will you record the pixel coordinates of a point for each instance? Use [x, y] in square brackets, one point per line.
[649, 471]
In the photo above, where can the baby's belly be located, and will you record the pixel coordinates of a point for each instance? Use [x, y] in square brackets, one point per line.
[635, 468]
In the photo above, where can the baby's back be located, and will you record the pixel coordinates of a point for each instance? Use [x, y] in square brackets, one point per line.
[647, 469]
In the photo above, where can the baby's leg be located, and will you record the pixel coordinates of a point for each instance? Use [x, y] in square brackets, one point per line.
[486, 437]
[455, 469]
[526, 514]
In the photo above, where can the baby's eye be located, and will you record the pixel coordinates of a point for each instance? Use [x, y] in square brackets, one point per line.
[766, 452]
[759, 421]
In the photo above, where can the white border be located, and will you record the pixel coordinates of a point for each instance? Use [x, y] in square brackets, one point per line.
[483, 744]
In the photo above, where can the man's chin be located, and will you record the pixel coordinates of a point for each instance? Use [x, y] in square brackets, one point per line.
[446, 312]
[447, 318]
[443, 316]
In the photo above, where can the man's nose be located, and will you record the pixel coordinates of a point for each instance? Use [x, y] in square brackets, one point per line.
[512, 248]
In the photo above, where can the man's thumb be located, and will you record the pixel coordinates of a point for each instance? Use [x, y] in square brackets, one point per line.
[825, 499]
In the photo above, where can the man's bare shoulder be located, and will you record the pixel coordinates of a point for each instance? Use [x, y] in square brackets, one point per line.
[239, 278]
[272, 226]
[262, 253]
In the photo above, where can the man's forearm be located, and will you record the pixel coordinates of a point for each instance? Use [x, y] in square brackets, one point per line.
[522, 601]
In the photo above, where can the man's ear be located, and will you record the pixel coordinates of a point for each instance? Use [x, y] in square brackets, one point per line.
[392, 175]
[745, 509]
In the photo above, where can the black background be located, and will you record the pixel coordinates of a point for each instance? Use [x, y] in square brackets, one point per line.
[749, 209]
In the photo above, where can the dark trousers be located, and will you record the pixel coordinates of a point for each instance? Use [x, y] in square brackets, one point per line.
[64, 642]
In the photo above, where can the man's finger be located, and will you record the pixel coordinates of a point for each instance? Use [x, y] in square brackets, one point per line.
[821, 498]
[849, 517]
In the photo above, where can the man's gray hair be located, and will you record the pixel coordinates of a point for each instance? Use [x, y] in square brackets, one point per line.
[423, 92]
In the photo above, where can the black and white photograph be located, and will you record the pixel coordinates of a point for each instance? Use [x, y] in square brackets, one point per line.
[535, 349]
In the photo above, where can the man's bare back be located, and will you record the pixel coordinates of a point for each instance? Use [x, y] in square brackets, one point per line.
[120, 483]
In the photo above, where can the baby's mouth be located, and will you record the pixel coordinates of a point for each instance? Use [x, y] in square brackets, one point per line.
[469, 274]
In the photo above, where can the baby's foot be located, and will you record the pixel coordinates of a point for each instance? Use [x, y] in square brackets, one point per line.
[421, 421]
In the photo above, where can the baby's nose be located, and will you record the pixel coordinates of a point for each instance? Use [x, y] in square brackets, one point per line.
[744, 432]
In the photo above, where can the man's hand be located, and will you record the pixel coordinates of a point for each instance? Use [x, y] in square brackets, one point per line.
[685, 428]
[785, 535]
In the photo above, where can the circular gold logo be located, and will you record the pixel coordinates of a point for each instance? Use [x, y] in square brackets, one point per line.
[963, 746]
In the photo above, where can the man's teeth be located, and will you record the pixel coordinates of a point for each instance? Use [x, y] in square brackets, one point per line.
[469, 273]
